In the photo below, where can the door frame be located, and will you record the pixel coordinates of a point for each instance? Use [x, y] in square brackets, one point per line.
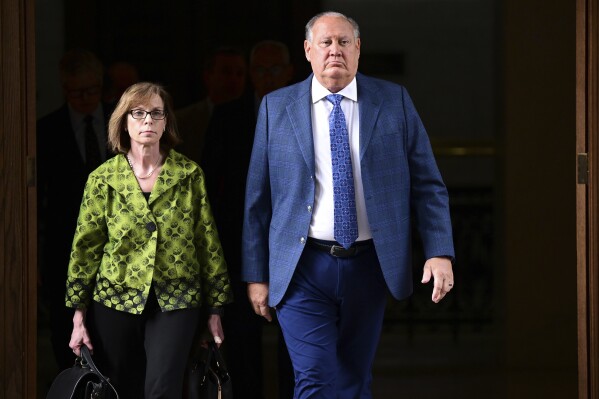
[18, 242]
[587, 195]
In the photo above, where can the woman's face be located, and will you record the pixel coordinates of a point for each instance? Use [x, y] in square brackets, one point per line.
[146, 121]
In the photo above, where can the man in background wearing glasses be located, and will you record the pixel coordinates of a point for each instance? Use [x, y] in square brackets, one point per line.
[71, 142]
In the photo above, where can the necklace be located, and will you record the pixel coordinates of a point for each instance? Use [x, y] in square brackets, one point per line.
[150, 173]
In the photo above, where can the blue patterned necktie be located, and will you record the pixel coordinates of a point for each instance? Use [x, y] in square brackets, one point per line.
[346, 221]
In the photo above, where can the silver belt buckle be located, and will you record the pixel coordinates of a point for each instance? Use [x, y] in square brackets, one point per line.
[335, 250]
[340, 252]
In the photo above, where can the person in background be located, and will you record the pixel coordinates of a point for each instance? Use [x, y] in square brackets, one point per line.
[225, 161]
[71, 142]
[146, 253]
[270, 68]
[341, 168]
[224, 78]
[119, 76]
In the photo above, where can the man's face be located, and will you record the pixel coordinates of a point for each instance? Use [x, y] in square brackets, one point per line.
[333, 52]
[269, 70]
[226, 80]
[83, 92]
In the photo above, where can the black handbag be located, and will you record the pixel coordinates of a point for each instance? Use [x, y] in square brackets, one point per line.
[82, 381]
[208, 378]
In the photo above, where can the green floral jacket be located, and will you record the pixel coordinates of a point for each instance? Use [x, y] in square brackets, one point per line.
[124, 243]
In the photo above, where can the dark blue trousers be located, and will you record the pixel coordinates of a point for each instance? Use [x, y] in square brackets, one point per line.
[331, 317]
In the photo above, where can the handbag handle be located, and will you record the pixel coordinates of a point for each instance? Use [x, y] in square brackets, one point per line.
[211, 354]
[87, 361]
[207, 360]
[217, 356]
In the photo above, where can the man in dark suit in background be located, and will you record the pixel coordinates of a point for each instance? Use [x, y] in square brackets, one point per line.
[224, 78]
[225, 162]
[341, 168]
[71, 142]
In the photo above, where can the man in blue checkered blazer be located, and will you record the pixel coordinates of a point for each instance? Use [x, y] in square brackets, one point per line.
[329, 299]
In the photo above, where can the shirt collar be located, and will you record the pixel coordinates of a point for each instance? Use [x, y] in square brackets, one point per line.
[319, 91]
[77, 119]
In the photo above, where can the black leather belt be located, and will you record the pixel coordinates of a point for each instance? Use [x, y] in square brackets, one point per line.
[337, 250]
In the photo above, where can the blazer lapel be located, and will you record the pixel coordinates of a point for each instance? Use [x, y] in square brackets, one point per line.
[119, 176]
[300, 116]
[370, 106]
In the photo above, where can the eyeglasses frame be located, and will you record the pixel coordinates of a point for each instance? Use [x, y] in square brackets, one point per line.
[146, 113]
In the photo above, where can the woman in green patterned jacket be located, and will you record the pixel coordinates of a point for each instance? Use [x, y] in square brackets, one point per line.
[145, 254]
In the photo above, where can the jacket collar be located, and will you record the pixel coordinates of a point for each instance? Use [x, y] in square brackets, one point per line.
[299, 111]
[176, 167]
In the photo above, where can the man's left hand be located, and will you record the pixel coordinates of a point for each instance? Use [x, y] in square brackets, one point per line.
[441, 272]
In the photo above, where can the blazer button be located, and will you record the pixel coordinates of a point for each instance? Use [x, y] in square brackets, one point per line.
[151, 226]
[302, 240]
[309, 208]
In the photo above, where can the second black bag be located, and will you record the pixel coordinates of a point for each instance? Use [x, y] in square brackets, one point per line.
[208, 377]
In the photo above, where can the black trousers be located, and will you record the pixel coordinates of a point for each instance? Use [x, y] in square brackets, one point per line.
[145, 356]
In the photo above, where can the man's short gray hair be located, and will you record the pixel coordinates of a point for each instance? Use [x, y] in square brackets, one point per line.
[313, 20]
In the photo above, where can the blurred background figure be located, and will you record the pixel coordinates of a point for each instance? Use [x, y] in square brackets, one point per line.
[225, 161]
[71, 142]
[119, 76]
[270, 67]
[224, 78]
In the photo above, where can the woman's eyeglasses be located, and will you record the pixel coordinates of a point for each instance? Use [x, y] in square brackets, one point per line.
[157, 114]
